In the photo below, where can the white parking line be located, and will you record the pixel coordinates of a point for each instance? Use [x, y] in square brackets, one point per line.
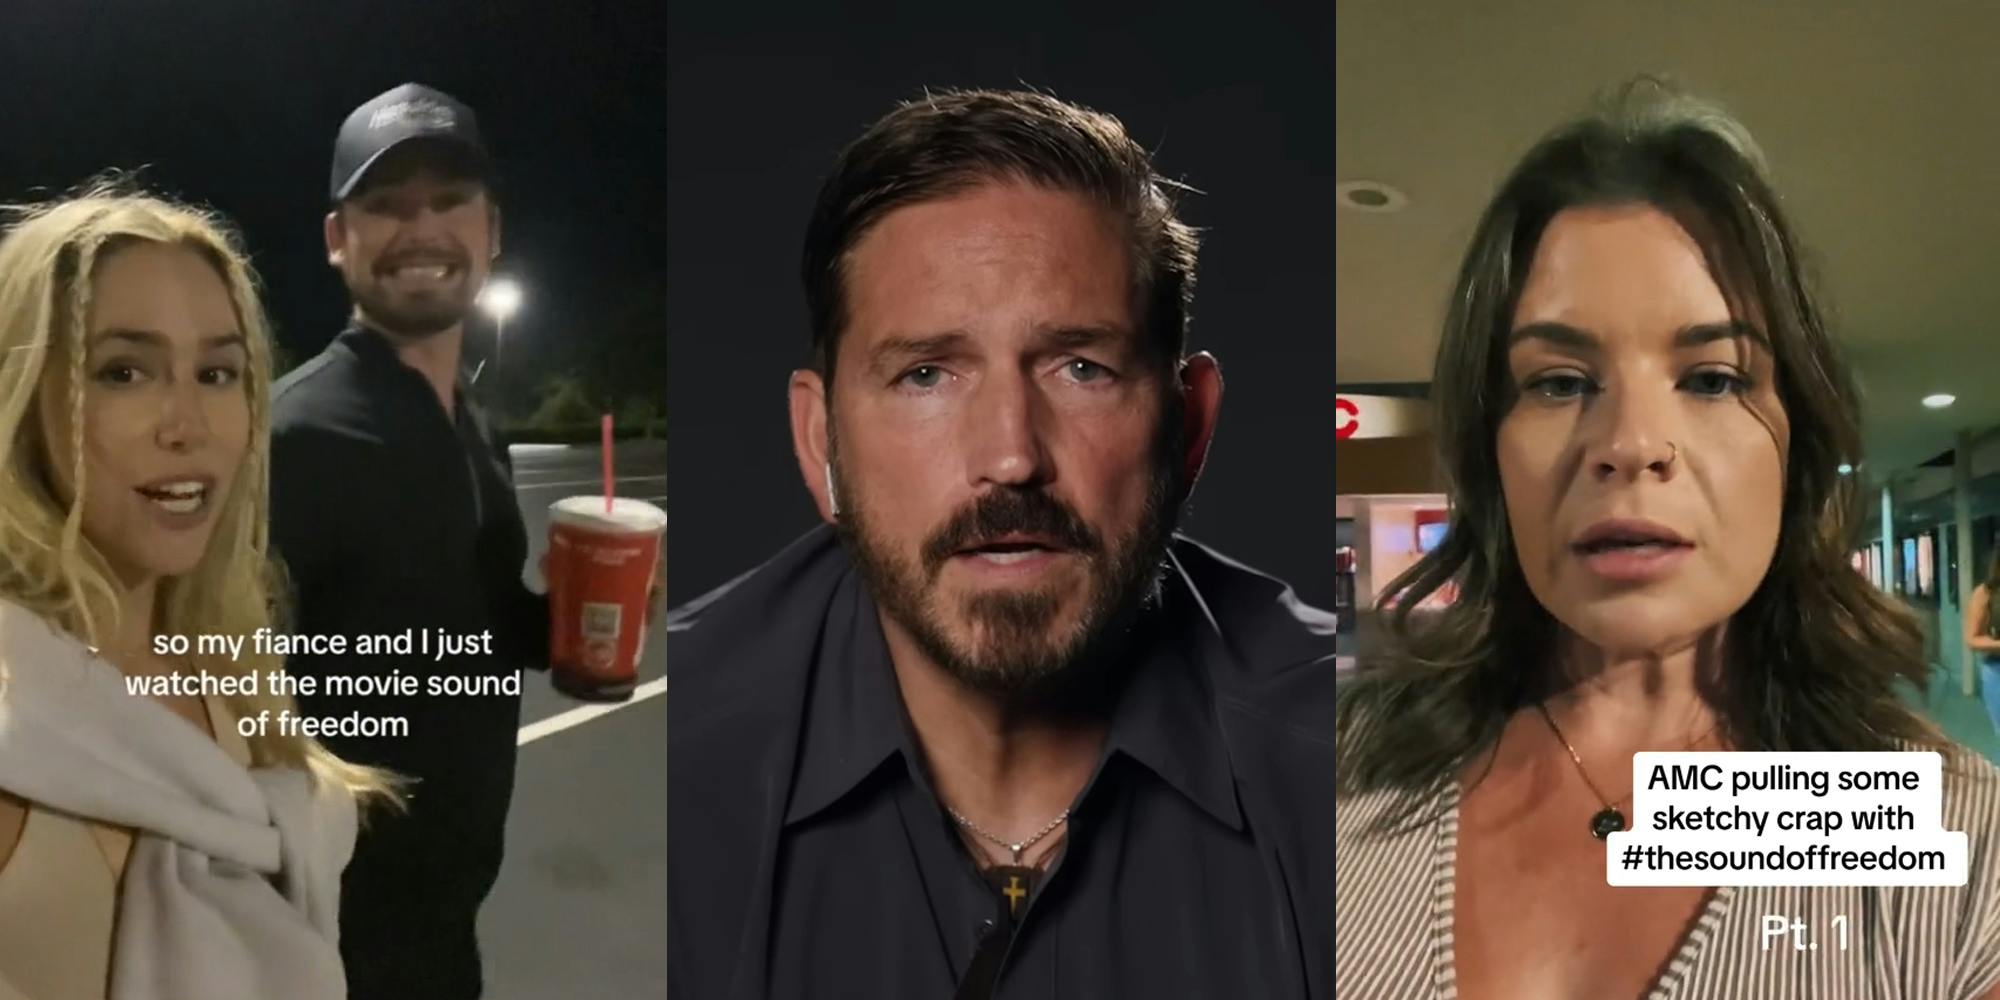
[578, 716]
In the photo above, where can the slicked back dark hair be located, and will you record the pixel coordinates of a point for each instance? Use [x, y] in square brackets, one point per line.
[948, 142]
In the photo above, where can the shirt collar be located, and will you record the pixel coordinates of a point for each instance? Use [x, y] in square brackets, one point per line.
[372, 347]
[1164, 717]
[367, 342]
[854, 714]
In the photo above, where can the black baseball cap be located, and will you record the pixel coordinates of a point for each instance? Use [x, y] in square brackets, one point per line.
[409, 113]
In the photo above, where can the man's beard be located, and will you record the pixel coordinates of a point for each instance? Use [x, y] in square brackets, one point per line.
[1019, 651]
[421, 318]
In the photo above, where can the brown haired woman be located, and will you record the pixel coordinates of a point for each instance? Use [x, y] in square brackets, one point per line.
[1642, 415]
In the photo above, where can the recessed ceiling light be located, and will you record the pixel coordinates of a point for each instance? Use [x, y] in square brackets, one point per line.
[1940, 400]
[1370, 196]
[1846, 469]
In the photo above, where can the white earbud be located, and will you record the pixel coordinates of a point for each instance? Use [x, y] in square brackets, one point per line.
[832, 498]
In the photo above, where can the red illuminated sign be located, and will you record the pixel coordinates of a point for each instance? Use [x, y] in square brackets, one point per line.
[1363, 416]
[1351, 424]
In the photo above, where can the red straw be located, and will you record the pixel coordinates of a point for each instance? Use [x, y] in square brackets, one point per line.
[607, 465]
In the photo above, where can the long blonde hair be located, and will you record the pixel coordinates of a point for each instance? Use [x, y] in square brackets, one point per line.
[48, 260]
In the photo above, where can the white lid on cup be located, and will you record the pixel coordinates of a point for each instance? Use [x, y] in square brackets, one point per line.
[627, 515]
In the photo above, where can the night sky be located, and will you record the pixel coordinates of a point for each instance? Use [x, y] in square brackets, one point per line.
[235, 103]
[1234, 98]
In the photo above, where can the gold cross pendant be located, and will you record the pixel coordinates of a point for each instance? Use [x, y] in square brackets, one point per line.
[1014, 893]
[1015, 884]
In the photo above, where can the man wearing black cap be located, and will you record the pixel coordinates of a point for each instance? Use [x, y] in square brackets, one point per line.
[394, 514]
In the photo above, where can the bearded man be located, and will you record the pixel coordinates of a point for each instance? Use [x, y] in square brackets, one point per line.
[996, 730]
[393, 510]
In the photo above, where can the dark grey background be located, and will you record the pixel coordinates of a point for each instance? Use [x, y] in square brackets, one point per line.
[1235, 99]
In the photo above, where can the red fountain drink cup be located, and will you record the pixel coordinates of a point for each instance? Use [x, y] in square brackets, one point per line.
[600, 572]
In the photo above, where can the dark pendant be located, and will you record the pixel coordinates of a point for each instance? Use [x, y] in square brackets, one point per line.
[1606, 823]
[1015, 884]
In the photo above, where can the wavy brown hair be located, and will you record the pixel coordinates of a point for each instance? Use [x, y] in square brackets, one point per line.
[1812, 661]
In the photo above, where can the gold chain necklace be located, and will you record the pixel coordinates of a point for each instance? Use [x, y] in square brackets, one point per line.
[1013, 847]
[1610, 819]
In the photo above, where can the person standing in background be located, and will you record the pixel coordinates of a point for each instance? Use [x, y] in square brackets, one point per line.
[1980, 622]
[394, 512]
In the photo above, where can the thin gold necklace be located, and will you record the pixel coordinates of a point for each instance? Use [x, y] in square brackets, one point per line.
[1013, 847]
[1608, 820]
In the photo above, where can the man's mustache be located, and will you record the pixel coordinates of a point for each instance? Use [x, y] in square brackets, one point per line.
[1009, 511]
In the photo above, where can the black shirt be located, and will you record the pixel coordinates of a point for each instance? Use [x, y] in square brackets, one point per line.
[811, 857]
[391, 516]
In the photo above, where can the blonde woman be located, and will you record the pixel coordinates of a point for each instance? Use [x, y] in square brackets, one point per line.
[150, 847]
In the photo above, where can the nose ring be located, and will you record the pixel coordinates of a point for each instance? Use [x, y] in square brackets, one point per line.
[1674, 453]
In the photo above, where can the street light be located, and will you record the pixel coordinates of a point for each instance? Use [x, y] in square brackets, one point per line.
[500, 298]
